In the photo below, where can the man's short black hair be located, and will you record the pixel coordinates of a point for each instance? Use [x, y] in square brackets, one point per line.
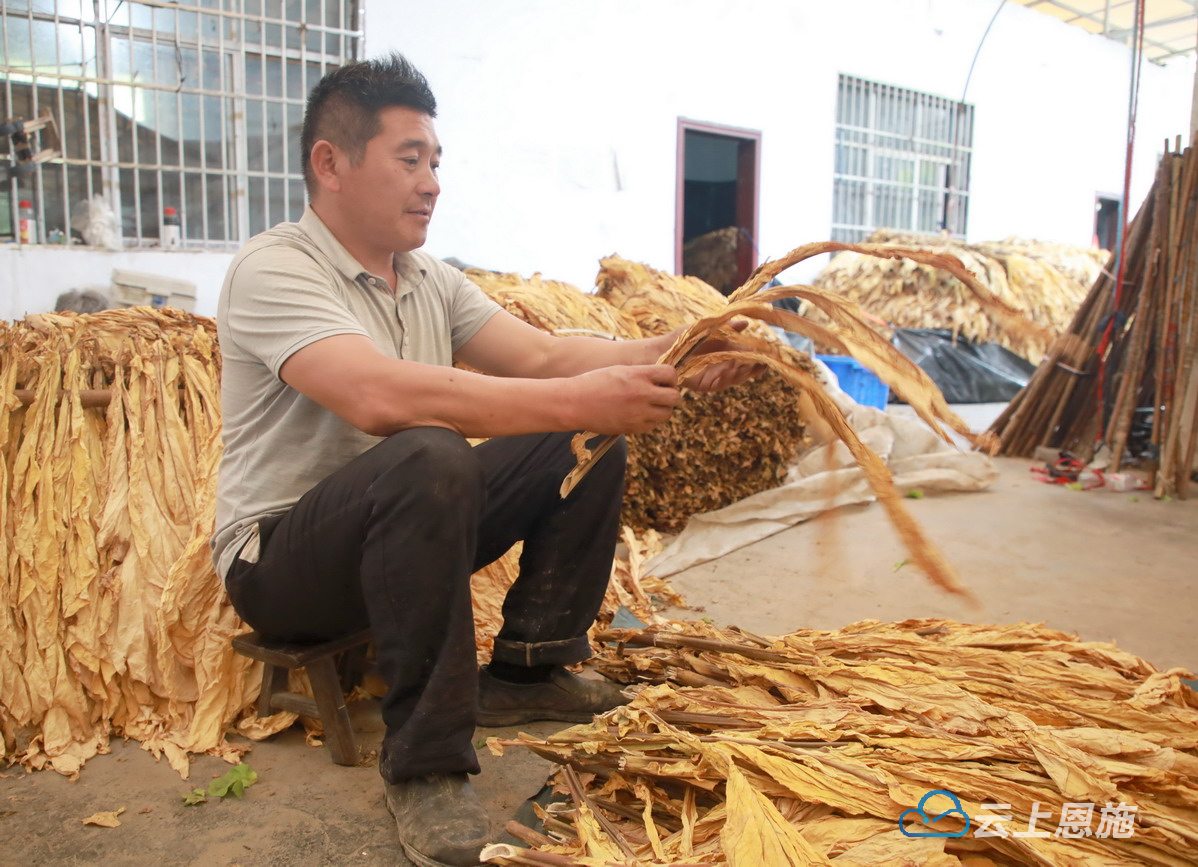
[344, 107]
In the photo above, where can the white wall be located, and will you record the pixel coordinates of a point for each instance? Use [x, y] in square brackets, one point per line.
[559, 118]
[32, 277]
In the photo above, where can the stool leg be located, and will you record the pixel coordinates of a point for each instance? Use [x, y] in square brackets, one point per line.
[330, 700]
[274, 679]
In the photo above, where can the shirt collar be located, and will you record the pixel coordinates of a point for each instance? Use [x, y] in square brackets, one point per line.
[407, 269]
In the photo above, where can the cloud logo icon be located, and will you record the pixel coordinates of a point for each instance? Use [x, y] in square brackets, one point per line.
[924, 820]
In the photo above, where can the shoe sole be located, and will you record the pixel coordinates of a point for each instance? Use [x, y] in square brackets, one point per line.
[495, 718]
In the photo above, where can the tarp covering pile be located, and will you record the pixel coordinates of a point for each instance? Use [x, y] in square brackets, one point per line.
[1043, 282]
[807, 749]
[964, 371]
[717, 448]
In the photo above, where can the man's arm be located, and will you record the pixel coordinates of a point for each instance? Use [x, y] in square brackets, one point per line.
[507, 346]
[380, 395]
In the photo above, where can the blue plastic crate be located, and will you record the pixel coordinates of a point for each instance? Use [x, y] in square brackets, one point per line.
[858, 381]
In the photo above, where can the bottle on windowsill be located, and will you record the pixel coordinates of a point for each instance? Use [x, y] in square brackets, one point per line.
[26, 222]
[171, 238]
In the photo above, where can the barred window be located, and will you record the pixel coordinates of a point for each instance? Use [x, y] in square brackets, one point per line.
[902, 161]
[194, 105]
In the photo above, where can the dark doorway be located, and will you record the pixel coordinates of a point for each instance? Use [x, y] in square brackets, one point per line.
[716, 236]
[1106, 222]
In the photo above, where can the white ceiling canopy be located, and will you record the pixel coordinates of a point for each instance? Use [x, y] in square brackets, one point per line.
[1170, 26]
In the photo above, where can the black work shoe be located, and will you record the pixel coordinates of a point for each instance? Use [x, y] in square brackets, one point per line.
[440, 820]
[565, 697]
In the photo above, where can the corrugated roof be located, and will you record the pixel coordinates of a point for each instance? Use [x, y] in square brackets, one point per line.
[1170, 26]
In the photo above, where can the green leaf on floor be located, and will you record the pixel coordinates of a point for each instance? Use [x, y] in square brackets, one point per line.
[195, 796]
[915, 495]
[234, 782]
[900, 564]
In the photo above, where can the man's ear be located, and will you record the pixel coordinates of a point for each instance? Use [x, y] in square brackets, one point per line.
[327, 162]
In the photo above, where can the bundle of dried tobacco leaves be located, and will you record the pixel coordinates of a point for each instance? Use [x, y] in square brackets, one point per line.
[717, 448]
[845, 332]
[807, 749]
[1044, 282]
[113, 619]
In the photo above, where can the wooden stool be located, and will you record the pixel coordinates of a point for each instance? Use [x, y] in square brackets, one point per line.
[328, 688]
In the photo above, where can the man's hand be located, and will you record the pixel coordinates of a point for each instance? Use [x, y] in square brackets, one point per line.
[719, 376]
[626, 398]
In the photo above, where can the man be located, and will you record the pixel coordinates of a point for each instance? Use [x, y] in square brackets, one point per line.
[349, 496]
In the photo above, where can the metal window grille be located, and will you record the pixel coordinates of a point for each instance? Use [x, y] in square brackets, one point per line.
[194, 105]
[902, 161]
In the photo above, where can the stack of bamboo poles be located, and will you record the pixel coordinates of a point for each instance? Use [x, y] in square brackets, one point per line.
[717, 448]
[1127, 348]
[1043, 282]
[809, 748]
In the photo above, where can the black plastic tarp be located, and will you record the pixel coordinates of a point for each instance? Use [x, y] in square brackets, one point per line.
[966, 372]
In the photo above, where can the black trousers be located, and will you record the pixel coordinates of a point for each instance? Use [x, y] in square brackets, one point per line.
[390, 541]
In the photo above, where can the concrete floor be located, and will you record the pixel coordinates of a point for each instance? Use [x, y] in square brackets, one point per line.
[1108, 566]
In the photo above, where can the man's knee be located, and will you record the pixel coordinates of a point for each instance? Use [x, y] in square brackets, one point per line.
[437, 464]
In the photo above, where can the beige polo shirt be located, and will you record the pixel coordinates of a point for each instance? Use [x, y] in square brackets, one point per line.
[289, 287]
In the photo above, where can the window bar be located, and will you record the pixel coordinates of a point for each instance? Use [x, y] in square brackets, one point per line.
[12, 200]
[203, 141]
[303, 76]
[85, 98]
[64, 208]
[267, 216]
[913, 131]
[32, 191]
[109, 155]
[138, 234]
[871, 196]
[324, 46]
[240, 181]
[158, 178]
[221, 23]
[180, 148]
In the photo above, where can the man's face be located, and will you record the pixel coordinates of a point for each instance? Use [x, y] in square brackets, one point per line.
[394, 189]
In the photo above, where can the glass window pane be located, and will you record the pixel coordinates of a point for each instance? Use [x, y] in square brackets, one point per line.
[253, 74]
[191, 129]
[254, 137]
[216, 209]
[295, 123]
[214, 139]
[212, 70]
[128, 215]
[295, 80]
[151, 207]
[189, 25]
[164, 21]
[274, 77]
[278, 200]
[168, 126]
[297, 200]
[257, 203]
[276, 135]
[193, 208]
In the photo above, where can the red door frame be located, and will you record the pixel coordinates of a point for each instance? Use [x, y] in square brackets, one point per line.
[747, 195]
